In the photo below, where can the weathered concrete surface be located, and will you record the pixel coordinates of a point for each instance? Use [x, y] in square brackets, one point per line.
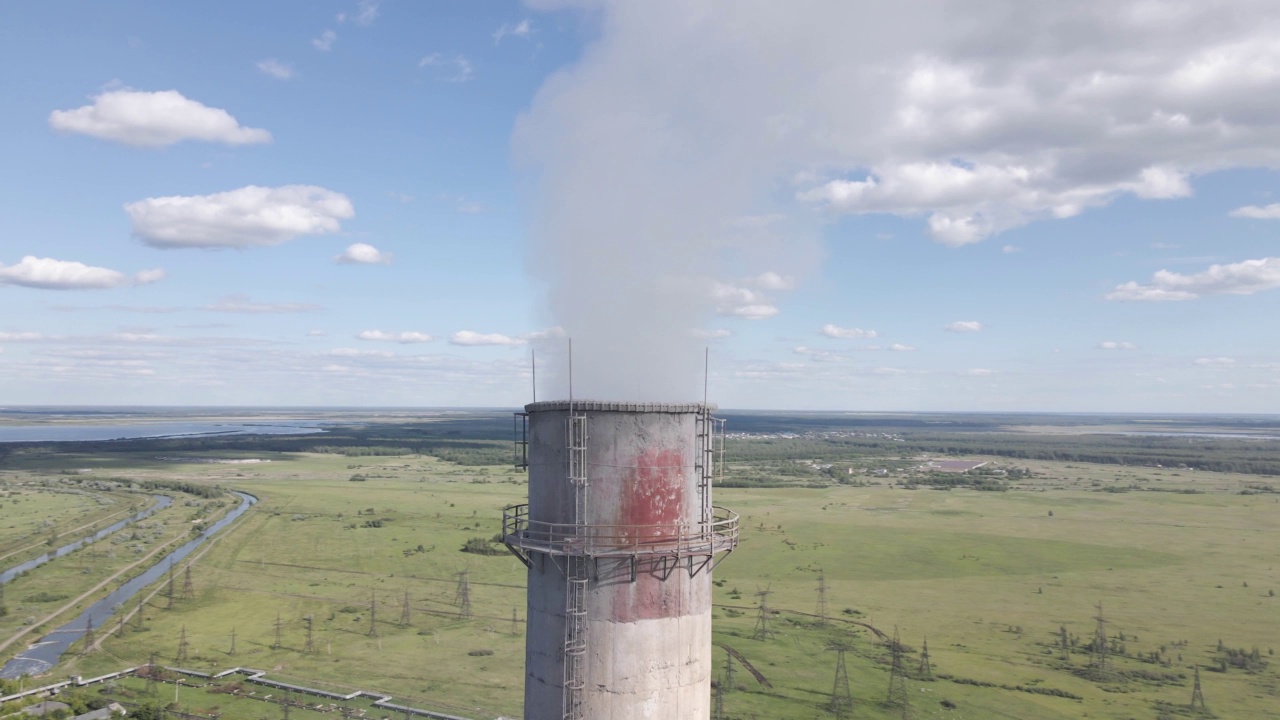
[648, 638]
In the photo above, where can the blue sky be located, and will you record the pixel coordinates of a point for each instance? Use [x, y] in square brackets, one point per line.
[393, 203]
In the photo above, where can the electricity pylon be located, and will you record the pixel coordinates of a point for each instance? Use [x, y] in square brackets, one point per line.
[841, 704]
[762, 631]
[310, 645]
[897, 678]
[822, 597]
[1197, 697]
[462, 598]
[181, 656]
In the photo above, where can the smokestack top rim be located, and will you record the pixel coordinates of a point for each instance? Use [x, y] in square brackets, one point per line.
[618, 406]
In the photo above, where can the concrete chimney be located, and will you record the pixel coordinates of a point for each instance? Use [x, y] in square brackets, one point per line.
[620, 538]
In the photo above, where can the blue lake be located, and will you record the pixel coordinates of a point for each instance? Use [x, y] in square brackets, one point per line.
[57, 432]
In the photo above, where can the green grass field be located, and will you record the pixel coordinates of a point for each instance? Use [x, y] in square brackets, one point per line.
[987, 577]
[32, 517]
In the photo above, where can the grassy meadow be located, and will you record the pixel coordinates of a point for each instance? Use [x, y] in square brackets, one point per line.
[989, 579]
[32, 517]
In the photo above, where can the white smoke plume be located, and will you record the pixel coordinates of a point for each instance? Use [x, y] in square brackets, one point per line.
[641, 190]
[695, 142]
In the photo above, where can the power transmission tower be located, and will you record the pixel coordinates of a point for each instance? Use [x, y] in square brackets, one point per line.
[278, 625]
[310, 645]
[926, 670]
[188, 590]
[729, 669]
[233, 642]
[373, 614]
[841, 698]
[515, 623]
[1197, 697]
[404, 610]
[463, 596]
[1062, 643]
[718, 712]
[822, 597]
[151, 675]
[762, 622]
[1100, 642]
[137, 617]
[287, 703]
[181, 656]
[897, 678]
[169, 606]
[89, 638]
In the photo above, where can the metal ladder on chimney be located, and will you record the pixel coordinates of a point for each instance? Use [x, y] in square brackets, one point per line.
[710, 458]
[576, 576]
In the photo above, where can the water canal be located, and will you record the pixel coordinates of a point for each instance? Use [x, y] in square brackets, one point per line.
[162, 502]
[45, 652]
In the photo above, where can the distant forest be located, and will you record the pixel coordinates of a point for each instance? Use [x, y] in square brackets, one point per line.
[485, 438]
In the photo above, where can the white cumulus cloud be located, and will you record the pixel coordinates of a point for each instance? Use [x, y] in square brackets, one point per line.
[742, 302]
[1242, 278]
[51, 274]
[456, 69]
[276, 69]
[324, 43]
[247, 217]
[366, 12]
[1116, 345]
[835, 331]
[522, 29]
[406, 337]
[964, 326]
[977, 120]
[773, 281]
[469, 338]
[242, 304]
[1216, 361]
[363, 254]
[1265, 212]
[899, 347]
[154, 119]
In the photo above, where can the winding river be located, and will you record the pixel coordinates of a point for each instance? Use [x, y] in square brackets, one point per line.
[44, 653]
